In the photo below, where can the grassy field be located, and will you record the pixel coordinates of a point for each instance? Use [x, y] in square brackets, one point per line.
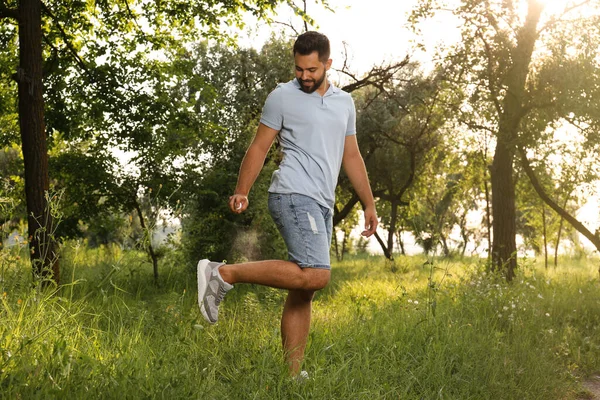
[433, 329]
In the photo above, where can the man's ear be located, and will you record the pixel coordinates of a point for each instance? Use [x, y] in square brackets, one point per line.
[328, 64]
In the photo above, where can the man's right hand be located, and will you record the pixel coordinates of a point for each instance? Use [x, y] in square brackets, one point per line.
[238, 203]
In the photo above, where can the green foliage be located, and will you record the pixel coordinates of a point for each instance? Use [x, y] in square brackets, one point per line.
[9, 123]
[448, 189]
[90, 193]
[108, 333]
[530, 84]
[240, 82]
[346, 244]
[12, 186]
[114, 84]
[401, 134]
[211, 230]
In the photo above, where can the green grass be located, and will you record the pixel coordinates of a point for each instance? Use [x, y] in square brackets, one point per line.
[435, 330]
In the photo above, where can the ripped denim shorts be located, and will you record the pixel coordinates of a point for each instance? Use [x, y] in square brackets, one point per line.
[306, 227]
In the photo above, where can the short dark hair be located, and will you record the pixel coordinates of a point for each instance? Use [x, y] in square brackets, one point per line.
[313, 41]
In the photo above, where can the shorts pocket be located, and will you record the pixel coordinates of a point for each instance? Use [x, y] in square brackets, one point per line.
[276, 209]
[308, 215]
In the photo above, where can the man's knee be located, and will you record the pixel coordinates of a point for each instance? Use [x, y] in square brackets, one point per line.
[316, 278]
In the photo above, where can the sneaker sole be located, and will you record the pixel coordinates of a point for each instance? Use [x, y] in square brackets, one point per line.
[202, 284]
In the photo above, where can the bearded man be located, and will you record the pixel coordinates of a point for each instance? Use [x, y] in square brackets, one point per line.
[316, 125]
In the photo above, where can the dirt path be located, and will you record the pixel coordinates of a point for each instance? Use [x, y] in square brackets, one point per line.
[592, 384]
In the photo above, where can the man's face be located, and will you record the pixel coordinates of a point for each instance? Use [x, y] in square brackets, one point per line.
[310, 71]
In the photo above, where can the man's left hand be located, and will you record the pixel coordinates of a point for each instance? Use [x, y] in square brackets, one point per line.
[370, 222]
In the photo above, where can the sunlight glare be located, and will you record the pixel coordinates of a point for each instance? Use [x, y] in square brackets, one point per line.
[557, 7]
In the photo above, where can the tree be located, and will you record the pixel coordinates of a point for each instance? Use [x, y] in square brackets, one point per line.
[76, 35]
[566, 91]
[448, 189]
[540, 228]
[397, 130]
[240, 81]
[345, 226]
[496, 65]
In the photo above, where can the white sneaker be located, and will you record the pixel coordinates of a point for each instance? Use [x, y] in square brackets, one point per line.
[211, 289]
[302, 377]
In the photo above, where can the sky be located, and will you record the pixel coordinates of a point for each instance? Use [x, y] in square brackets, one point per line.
[374, 31]
[377, 30]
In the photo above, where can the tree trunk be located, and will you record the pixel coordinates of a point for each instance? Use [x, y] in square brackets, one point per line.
[148, 236]
[488, 216]
[386, 252]
[336, 244]
[43, 248]
[504, 247]
[463, 233]
[401, 242]
[392, 228]
[445, 247]
[544, 233]
[560, 228]
[511, 112]
[344, 244]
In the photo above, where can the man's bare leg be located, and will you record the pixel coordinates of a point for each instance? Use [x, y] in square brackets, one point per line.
[276, 273]
[301, 283]
[295, 325]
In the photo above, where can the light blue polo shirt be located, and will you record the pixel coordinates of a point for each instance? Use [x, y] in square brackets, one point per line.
[312, 130]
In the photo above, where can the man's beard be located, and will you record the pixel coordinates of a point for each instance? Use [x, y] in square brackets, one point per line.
[315, 86]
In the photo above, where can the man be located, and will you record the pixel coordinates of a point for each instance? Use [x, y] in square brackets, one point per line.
[316, 124]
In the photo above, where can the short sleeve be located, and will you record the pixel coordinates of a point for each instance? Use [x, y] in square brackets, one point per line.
[351, 126]
[272, 112]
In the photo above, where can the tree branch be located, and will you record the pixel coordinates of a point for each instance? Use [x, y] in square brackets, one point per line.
[473, 125]
[411, 176]
[6, 12]
[595, 239]
[491, 86]
[305, 23]
[386, 251]
[68, 43]
[377, 76]
[289, 25]
[554, 21]
[339, 215]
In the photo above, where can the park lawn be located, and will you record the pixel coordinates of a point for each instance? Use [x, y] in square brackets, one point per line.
[432, 329]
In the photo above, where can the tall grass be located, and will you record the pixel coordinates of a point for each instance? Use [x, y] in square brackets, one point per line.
[432, 329]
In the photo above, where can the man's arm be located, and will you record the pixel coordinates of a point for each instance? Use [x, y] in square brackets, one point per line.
[251, 166]
[354, 166]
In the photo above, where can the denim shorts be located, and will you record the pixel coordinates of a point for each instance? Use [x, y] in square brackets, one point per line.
[306, 228]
